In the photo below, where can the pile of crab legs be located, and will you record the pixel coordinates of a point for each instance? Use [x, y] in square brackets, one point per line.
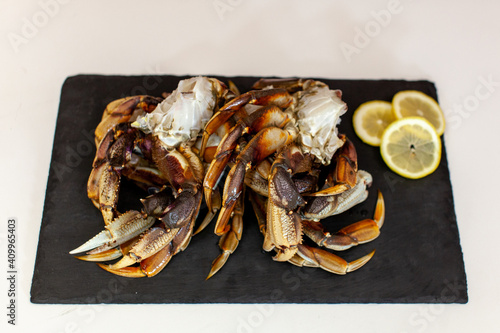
[275, 140]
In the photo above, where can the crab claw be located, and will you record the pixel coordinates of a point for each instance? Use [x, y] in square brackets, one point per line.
[318, 208]
[153, 241]
[343, 176]
[156, 203]
[107, 255]
[180, 212]
[110, 254]
[149, 267]
[284, 228]
[153, 251]
[357, 233]
[123, 228]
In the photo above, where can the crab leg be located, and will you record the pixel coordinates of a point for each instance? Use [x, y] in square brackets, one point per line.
[263, 144]
[230, 240]
[259, 205]
[314, 257]
[218, 164]
[216, 205]
[278, 97]
[266, 116]
[357, 233]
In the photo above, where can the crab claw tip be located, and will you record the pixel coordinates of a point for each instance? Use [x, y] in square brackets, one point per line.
[103, 256]
[96, 241]
[130, 272]
[124, 262]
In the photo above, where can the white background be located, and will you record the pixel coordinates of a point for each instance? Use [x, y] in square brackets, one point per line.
[455, 44]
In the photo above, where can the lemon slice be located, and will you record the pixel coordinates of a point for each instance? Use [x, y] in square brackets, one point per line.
[371, 119]
[410, 103]
[411, 147]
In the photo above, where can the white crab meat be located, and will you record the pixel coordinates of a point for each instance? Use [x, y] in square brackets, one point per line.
[318, 112]
[183, 114]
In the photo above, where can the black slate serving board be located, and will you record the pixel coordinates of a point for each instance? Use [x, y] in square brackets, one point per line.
[418, 257]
